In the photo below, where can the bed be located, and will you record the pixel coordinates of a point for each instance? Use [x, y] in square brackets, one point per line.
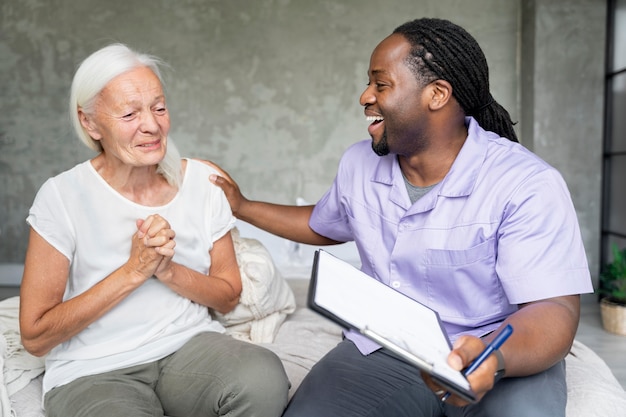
[273, 313]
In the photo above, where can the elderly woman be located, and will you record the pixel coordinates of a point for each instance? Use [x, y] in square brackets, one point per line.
[127, 253]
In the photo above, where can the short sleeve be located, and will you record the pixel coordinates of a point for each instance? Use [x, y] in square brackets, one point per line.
[540, 249]
[222, 219]
[48, 217]
[207, 200]
[329, 217]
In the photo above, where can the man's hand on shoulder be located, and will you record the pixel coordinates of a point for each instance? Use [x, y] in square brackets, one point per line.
[228, 185]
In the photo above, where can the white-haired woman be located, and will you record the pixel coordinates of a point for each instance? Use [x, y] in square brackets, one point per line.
[127, 253]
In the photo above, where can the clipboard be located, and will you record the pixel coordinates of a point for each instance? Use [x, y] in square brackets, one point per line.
[412, 331]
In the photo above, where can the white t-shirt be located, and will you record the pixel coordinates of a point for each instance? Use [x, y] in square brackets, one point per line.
[90, 223]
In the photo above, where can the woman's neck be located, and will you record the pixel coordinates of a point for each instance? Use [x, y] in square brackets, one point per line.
[142, 184]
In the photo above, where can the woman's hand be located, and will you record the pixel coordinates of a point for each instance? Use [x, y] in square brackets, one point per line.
[219, 289]
[152, 247]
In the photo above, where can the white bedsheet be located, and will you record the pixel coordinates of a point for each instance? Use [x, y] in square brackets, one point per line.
[305, 337]
[18, 366]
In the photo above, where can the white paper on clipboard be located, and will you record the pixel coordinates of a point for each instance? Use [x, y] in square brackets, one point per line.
[410, 329]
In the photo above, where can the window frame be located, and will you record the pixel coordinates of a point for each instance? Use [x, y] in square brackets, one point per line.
[610, 234]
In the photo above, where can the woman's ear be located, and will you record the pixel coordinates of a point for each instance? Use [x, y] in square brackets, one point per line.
[88, 124]
[440, 95]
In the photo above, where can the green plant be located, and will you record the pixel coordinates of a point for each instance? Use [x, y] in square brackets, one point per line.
[613, 277]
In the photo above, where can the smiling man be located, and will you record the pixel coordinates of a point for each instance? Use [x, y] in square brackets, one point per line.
[450, 210]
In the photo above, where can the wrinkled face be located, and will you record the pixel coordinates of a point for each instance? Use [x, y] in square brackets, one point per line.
[394, 100]
[130, 118]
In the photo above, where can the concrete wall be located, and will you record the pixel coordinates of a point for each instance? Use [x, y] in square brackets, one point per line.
[562, 100]
[269, 88]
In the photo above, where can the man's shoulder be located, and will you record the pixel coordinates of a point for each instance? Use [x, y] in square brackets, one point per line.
[361, 146]
[360, 153]
[515, 156]
[359, 156]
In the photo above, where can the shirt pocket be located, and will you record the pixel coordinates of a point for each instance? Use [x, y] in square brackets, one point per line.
[463, 283]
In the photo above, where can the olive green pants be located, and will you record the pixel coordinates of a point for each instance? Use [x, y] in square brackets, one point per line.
[211, 375]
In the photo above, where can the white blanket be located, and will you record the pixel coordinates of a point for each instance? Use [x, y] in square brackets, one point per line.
[592, 388]
[266, 298]
[18, 366]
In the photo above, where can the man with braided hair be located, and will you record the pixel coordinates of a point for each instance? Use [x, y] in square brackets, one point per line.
[450, 210]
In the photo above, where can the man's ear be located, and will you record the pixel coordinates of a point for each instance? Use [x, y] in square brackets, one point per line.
[88, 124]
[441, 93]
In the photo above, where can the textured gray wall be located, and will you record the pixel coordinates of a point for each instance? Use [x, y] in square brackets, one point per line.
[562, 100]
[269, 88]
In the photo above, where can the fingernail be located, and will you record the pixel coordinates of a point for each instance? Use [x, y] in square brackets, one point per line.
[455, 362]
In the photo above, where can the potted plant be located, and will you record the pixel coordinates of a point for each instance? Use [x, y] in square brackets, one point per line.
[613, 293]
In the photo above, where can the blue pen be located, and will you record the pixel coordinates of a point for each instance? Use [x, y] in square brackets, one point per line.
[494, 345]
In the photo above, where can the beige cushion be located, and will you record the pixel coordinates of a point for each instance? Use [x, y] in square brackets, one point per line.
[266, 298]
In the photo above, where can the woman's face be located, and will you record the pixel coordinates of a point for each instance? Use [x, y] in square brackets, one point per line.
[130, 118]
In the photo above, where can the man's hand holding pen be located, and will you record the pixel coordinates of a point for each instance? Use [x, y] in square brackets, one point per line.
[478, 362]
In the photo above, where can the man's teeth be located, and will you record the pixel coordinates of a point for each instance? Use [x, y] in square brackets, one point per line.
[374, 118]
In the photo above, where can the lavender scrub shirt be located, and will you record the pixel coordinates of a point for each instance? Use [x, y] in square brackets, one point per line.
[499, 230]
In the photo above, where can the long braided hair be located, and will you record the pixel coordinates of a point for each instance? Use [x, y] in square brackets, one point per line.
[442, 50]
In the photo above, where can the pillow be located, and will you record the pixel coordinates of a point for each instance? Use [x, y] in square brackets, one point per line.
[266, 298]
[592, 389]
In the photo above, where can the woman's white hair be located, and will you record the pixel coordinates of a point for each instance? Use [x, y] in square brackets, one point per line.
[93, 74]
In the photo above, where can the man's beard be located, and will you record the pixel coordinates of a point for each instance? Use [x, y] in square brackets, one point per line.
[382, 147]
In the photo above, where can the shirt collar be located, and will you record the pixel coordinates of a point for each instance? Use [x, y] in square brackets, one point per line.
[461, 178]
[463, 174]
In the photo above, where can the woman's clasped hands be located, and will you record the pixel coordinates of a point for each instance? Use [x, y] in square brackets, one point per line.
[152, 247]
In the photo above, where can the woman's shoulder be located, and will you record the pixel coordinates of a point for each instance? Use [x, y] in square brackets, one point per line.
[197, 173]
[72, 176]
[199, 166]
